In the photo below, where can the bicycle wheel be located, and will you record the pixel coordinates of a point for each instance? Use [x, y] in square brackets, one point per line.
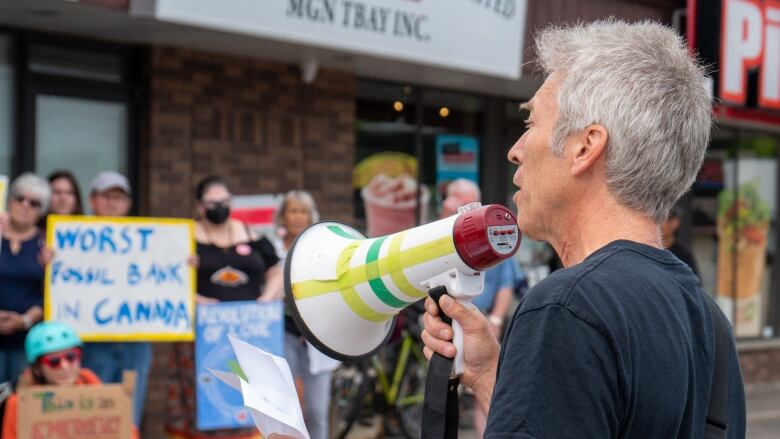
[349, 385]
[409, 405]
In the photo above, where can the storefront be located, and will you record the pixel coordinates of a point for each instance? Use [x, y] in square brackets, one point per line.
[273, 95]
[733, 207]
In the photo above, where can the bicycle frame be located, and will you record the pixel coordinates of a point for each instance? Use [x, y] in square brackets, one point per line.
[390, 390]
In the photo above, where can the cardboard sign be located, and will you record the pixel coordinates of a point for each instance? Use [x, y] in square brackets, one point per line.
[102, 411]
[260, 324]
[119, 279]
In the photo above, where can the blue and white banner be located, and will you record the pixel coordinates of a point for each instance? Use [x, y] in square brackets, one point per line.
[259, 324]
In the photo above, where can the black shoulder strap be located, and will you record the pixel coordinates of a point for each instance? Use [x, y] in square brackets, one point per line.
[717, 414]
[440, 406]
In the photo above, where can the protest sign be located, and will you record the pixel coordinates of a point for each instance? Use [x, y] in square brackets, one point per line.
[259, 324]
[102, 411]
[3, 192]
[121, 279]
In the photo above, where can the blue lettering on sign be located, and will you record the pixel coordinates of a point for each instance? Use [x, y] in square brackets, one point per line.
[130, 313]
[62, 274]
[102, 239]
[154, 273]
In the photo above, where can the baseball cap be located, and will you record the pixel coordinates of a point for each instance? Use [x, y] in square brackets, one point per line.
[109, 180]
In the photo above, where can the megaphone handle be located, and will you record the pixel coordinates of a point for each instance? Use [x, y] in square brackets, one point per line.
[458, 364]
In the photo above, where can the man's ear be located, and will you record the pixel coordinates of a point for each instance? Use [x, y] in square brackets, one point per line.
[591, 146]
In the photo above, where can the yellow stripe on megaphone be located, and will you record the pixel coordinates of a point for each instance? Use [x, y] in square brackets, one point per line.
[393, 264]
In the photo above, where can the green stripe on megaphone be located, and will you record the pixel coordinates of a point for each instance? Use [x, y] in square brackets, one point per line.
[393, 264]
[375, 277]
[341, 232]
[347, 288]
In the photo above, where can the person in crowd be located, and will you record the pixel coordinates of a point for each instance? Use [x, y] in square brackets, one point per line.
[669, 235]
[54, 351]
[311, 369]
[234, 264]
[21, 270]
[620, 342]
[65, 194]
[497, 295]
[110, 196]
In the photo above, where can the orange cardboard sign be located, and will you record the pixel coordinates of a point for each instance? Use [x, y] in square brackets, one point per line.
[102, 411]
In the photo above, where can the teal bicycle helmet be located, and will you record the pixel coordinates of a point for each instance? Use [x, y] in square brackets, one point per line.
[47, 337]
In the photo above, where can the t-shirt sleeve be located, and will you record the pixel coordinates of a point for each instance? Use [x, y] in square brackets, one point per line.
[557, 379]
[267, 251]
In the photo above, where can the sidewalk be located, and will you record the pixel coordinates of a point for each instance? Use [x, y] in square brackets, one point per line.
[763, 411]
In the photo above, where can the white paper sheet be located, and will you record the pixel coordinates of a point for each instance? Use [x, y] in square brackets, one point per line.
[269, 391]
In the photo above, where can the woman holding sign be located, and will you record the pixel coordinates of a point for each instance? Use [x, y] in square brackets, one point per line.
[234, 265]
[21, 270]
[53, 350]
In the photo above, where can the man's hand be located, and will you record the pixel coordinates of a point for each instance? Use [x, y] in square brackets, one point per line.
[480, 347]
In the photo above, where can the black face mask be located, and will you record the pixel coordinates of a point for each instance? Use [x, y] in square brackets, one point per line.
[218, 214]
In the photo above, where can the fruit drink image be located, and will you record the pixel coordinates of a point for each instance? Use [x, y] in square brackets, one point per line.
[742, 225]
[390, 204]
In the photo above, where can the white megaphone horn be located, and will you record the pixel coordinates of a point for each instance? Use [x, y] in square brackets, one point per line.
[344, 290]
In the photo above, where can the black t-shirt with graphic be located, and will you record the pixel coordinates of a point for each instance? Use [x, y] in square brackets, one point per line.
[234, 273]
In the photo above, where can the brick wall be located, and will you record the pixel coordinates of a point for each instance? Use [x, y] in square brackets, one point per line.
[251, 121]
[760, 365]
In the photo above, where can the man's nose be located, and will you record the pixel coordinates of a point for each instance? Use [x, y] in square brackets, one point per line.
[515, 154]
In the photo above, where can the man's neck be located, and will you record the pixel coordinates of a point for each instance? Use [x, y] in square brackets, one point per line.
[592, 225]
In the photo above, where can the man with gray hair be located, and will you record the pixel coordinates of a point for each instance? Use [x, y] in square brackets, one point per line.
[621, 342]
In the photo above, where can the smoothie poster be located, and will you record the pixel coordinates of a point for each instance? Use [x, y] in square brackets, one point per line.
[121, 279]
[743, 227]
[387, 183]
[259, 324]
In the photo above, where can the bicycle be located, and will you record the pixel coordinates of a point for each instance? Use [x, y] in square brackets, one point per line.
[392, 382]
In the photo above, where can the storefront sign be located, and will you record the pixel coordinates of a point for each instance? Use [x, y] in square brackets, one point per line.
[751, 40]
[103, 411]
[259, 324]
[483, 36]
[118, 279]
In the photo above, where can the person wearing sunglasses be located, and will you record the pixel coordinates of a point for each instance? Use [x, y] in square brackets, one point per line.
[21, 270]
[53, 350]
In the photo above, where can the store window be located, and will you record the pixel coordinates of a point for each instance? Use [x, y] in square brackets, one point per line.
[77, 107]
[409, 143]
[99, 143]
[6, 107]
[734, 211]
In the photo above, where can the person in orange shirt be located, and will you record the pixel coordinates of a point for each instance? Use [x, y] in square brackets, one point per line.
[54, 351]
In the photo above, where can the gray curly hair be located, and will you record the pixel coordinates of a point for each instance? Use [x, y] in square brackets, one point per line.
[640, 83]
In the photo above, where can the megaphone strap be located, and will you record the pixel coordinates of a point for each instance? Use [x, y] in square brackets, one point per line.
[440, 406]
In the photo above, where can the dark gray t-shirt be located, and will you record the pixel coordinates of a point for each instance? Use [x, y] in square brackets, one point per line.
[619, 346]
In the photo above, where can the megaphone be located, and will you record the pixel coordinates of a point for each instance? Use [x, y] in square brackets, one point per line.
[344, 290]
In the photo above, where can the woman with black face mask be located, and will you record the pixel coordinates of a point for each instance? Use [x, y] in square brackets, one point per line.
[234, 265]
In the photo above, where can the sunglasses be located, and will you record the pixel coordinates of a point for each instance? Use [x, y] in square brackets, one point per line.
[31, 201]
[54, 361]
